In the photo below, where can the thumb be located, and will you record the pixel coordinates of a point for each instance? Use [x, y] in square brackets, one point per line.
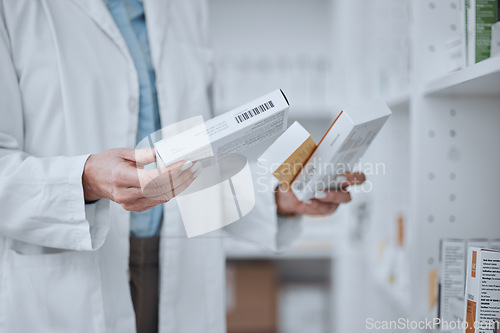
[144, 156]
[141, 157]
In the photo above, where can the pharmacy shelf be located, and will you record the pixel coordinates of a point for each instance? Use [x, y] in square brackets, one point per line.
[303, 250]
[481, 79]
[290, 255]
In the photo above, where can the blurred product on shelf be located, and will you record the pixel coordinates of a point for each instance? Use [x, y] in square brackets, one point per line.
[495, 39]
[451, 280]
[456, 52]
[252, 297]
[433, 292]
[400, 227]
[303, 308]
[480, 17]
[392, 270]
[453, 262]
[482, 290]
[306, 79]
[472, 39]
[372, 57]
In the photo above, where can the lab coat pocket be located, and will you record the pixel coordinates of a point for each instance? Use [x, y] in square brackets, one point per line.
[57, 292]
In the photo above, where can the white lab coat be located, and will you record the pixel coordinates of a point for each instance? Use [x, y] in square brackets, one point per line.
[68, 88]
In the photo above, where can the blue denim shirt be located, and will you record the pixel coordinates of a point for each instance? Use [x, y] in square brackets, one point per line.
[130, 18]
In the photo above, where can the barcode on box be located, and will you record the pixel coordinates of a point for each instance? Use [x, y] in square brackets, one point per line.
[254, 112]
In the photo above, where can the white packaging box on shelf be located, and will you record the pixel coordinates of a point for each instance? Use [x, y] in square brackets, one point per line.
[482, 311]
[495, 40]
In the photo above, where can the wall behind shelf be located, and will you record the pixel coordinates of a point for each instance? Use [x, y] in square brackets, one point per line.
[262, 45]
[371, 49]
[455, 189]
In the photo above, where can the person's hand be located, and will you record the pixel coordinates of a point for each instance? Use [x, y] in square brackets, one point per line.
[325, 203]
[119, 175]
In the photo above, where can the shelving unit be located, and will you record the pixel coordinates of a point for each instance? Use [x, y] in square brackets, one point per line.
[443, 130]
[293, 254]
[439, 148]
[481, 79]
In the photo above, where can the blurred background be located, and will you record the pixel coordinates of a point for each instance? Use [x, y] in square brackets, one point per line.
[431, 170]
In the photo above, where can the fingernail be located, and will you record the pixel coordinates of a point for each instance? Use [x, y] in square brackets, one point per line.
[196, 166]
[197, 173]
[307, 201]
[341, 179]
[320, 195]
[186, 165]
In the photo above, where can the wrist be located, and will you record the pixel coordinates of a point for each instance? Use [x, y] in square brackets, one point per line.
[89, 183]
[280, 207]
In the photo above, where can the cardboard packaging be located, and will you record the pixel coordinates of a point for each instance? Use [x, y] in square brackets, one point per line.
[481, 16]
[231, 132]
[288, 154]
[252, 297]
[340, 148]
[453, 276]
[223, 193]
[482, 291]
[338, 151]
[495, 40]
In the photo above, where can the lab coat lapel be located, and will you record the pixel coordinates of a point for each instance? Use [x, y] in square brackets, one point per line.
[99, 13]
[157, 20]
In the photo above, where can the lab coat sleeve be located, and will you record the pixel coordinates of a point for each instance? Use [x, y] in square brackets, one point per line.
[41, 199]
[262, 226]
